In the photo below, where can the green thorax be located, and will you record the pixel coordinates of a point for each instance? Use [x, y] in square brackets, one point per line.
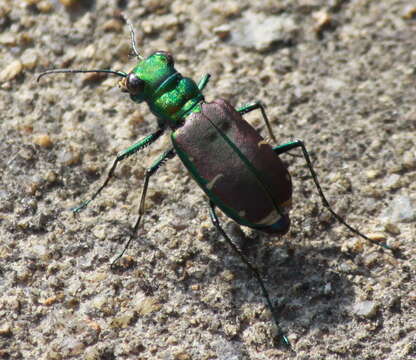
[169, 95]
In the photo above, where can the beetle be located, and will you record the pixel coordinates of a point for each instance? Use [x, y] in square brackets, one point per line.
[239, 171]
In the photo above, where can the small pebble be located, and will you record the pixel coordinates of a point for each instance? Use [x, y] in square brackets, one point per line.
[401, 209]
[365, 309]
[392, 182]
[43, 140]
[11, 71]
[29, 59]
[323, 20]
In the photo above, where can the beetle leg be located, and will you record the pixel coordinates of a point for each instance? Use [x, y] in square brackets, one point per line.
[299, 143]
[203, 82]
[169, 154]
[254, 106]
[255, 272]
[121, 156]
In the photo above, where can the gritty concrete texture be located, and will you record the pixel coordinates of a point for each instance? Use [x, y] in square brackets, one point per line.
[341, 75]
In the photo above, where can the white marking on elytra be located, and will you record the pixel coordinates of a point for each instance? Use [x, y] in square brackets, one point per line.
[262, 142]
[211, 184]
[286, 206]
[242, 213]
[270, 219]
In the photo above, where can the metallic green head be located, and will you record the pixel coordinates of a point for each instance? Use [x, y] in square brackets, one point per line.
[169, 95]
[150, 77]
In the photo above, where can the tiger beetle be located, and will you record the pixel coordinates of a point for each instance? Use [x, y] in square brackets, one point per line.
[239, 171]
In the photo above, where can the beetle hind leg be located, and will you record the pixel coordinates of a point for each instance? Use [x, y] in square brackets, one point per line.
[299, 143]
[215, 221]
[254, 106]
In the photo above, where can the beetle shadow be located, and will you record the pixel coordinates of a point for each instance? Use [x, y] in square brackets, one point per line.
[308, 291]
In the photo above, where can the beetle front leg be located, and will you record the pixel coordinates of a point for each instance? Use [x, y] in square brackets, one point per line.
[254, 106]
[169, 154]
[299, 143]
[121, 156]
[255, 272]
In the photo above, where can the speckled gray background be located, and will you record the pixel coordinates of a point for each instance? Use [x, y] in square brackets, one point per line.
[341, 75]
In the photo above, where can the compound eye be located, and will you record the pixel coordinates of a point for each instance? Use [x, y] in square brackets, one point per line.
[134, 84]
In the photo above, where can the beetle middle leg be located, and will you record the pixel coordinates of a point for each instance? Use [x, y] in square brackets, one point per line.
[203, 82]
[299, 143]
[121, 156]
[255, 272]
[254, 106]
